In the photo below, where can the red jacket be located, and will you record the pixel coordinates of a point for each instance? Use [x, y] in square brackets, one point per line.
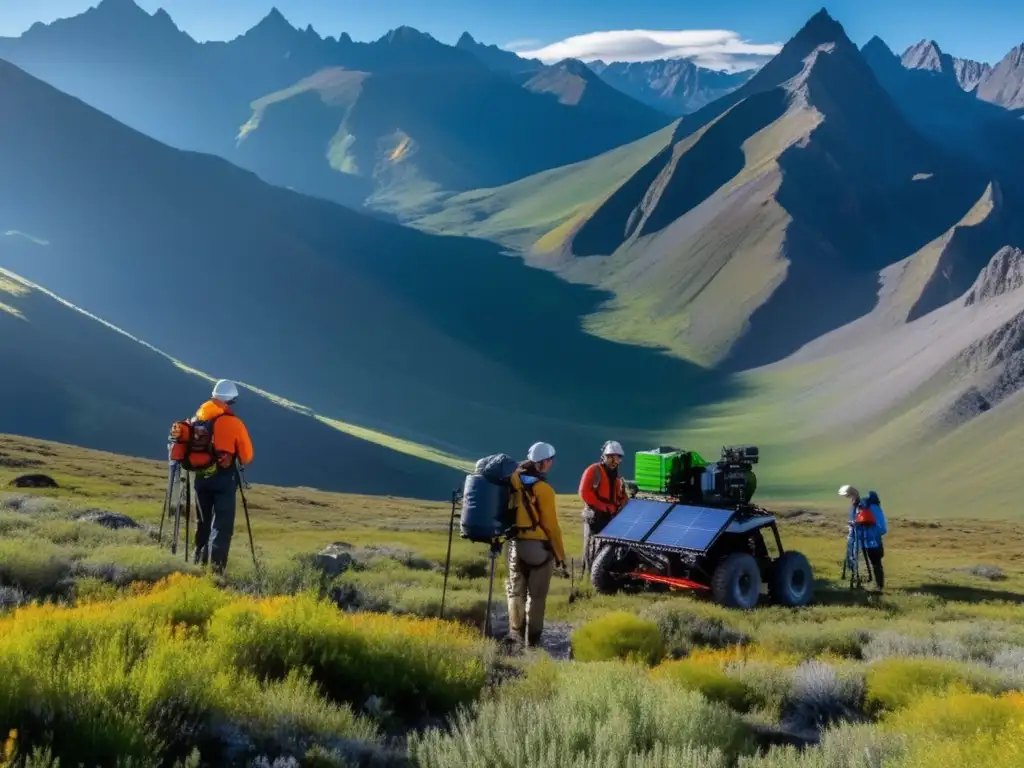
[596, 491]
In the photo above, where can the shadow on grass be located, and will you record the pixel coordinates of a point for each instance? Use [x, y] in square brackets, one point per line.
[961, 594]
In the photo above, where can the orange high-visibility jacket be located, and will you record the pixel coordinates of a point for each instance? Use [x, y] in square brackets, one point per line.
[229, 434]
[597, 493]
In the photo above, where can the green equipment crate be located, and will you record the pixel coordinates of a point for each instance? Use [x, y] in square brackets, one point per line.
[655, 469]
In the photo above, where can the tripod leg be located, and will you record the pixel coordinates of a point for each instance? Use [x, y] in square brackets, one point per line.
[448, 557]
[172, 471]
[188, 518]
[182, 482]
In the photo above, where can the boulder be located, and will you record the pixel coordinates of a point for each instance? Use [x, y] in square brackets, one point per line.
[34, 481]
[112, 520]
[334, 559]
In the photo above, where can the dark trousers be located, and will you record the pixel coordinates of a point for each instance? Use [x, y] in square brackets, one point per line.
[593, 523]
[875, 555]
[215, 518]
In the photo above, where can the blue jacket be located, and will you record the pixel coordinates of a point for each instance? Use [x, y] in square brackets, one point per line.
[872, 533]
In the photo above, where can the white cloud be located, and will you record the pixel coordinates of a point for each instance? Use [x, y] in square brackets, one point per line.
[712, 48]
[518, 45]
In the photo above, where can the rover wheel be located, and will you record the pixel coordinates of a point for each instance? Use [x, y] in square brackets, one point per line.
[609, 569]
[792, 581]
[736, 582]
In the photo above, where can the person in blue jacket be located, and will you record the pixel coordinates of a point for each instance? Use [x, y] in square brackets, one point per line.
[872, 531]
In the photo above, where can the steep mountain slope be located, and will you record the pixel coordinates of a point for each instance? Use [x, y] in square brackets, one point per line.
[675, 86]
[926, 411]
[529, 213]
[497, 58]
[935, 104]
[415, 132]
[928, 56]
[1004, 85]
[69, 377]
[255, 101]
[417, 336]
[573, 83]
[807, 176]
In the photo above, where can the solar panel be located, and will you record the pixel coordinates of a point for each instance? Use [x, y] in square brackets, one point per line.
[693, 528]
[635, 520]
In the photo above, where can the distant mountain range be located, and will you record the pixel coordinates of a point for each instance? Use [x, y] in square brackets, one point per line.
[673, 86]
[1002, 84]
[404, 115]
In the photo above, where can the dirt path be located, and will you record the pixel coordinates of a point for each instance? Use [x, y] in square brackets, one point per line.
[555, 640]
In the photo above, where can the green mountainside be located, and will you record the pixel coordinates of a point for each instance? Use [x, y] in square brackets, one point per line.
[426, 338]
[71, 377]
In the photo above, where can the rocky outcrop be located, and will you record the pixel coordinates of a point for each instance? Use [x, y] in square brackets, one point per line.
[1004, 273]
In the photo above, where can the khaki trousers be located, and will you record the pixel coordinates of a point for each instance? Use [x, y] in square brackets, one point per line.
[530, 567]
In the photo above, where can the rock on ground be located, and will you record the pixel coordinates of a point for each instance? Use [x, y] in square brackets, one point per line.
[334, 559]
[112, 520]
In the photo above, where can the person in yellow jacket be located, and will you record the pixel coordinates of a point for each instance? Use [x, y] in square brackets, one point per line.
[537, 548]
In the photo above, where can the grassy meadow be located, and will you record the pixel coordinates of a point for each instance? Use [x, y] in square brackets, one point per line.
[113, 652]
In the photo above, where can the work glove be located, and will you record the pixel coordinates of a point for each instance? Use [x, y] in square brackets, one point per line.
[561, 570]
[225, 460]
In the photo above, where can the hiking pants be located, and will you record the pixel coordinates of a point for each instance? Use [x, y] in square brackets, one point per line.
[593, 523]
[215, 518]
[530, 567]
[875, 555]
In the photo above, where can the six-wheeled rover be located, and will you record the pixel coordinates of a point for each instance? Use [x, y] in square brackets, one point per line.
[690, 524]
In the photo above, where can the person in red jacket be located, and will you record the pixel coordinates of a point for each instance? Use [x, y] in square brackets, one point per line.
[604, 494]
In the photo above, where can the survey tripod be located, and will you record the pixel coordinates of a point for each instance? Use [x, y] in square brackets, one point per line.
[854, 552]
[178, 503]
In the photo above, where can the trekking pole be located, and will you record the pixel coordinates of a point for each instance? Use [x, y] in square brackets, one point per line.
[572, 581]
[172, 471]
[242, 484]
[448, 557]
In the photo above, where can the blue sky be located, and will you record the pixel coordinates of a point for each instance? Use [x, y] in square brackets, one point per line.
[980, 29]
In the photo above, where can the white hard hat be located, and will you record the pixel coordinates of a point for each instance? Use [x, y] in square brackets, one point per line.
[225, 391]
[612, 448]
[848, 490]
[541, 452]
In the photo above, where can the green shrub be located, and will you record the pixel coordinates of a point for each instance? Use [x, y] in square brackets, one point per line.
[895, 683]
[683, 628]
[416, 665]
[845, 746]
[40, 569]
[812, 640]
[110, 681]
[619, 635]
[711, 681]
[767, 685]
[601, 714]
[122, 564]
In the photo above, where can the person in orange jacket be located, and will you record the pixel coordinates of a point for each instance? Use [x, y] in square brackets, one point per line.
[215, 484]
[604, 494]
